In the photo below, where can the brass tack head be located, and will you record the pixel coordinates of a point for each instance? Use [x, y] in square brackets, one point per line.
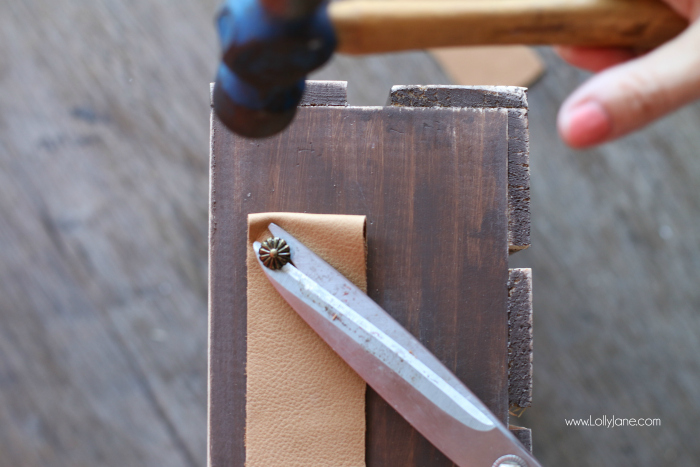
[274, 253]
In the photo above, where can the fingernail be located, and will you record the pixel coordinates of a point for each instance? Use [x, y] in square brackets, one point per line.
[585, 124]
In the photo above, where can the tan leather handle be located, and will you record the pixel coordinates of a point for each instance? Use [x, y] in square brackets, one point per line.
[366, 26]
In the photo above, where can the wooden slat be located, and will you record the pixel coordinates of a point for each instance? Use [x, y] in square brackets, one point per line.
[524, 435]
[520, 337]
[506, 97]
[433, 184]
[518, 180]
[317, 93]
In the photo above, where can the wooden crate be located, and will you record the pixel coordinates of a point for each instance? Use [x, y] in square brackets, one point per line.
[442, 175]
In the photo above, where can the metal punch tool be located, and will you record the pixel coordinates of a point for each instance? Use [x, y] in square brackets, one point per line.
[393, 362]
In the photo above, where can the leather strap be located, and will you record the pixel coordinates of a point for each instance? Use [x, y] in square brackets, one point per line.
[304, 406]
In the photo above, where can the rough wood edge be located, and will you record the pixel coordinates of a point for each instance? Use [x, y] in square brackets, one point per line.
[518, 180]
[506, 97]
[520, 337]
[224, 407]
[523, 434]
[514, 99]
[331, 93]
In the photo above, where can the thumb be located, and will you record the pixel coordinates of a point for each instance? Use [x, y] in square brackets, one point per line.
[627, 97]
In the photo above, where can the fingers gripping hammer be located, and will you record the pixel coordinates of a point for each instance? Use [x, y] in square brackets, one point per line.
[269, 48]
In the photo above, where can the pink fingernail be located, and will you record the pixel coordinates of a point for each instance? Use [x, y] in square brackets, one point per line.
[585, 124]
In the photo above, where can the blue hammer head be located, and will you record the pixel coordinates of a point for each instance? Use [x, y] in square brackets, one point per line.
[269, 46]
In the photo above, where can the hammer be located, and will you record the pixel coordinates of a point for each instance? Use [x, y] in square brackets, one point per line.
[269, 46]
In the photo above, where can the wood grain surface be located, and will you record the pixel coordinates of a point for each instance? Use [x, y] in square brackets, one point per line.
[373, 26]
[326, 93]
[514, 100]
[433, 185]
[520, 337]
[104, 134]
[524, 435]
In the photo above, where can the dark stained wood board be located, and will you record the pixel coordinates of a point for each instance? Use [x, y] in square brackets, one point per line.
[520, 337]
[433, 183]
[512, 98]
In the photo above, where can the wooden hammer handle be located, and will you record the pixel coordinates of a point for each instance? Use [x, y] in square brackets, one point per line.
[365, 26]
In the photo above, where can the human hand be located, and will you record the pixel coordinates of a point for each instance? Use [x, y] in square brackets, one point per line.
[631, 90]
